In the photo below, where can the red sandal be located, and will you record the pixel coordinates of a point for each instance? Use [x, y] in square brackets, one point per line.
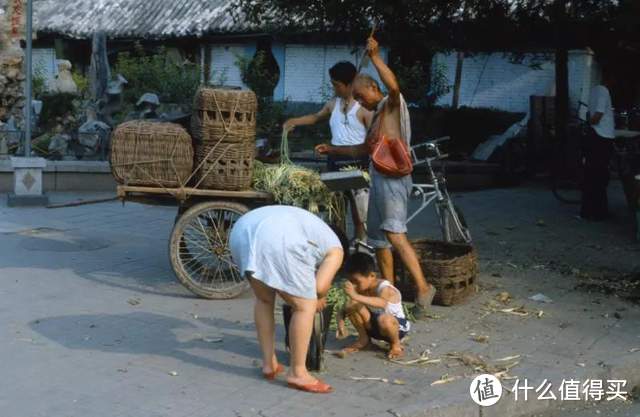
[272, 375]
[317, 387]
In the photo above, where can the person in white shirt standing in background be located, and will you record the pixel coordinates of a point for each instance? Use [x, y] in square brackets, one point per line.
[598, 149]
[349, 123]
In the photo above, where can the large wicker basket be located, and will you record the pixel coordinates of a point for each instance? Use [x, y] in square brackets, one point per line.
[151, 154]
[226, 166]
[224, 115]
[451, 267]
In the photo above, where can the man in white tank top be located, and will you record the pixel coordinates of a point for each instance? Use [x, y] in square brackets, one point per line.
[349, 123]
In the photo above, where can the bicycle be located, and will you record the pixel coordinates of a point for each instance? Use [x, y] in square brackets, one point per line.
[452, 223]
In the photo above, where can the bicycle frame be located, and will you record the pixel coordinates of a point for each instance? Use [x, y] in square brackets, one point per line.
[432, 191]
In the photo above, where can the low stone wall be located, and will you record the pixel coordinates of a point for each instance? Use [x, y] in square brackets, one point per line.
[66, 176]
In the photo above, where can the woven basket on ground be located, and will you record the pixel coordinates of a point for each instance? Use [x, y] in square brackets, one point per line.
[227, 166]
[223, 114]
[151, 154]
[451, 267]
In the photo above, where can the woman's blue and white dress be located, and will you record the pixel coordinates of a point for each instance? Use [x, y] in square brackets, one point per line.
[282, 247]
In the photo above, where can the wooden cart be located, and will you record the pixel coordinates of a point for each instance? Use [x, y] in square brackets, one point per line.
[198, 247]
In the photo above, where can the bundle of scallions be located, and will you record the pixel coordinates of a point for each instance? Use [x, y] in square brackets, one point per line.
[294, 185]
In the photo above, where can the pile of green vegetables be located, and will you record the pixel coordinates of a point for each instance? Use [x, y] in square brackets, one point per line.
[295, 185]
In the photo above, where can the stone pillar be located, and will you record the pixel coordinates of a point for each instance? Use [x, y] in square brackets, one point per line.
[27, 177]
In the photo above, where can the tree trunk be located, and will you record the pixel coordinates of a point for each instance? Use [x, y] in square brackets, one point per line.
[458, 80]
[562, 94]
[99, 68]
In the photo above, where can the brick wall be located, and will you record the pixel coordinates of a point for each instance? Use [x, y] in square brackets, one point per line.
[491, 80]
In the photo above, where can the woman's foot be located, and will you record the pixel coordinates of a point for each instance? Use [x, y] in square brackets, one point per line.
[270, 371]
[307, 382]
[395, 352]
[317, 387]
[273, 373]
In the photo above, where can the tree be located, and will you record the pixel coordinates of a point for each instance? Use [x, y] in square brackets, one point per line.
[415, 28]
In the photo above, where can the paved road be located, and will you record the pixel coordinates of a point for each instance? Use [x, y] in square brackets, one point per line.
[600, 410]
[94, 324]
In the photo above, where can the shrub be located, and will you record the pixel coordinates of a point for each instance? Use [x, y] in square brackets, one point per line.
[421, 85]
[260, 75]
[157, 73]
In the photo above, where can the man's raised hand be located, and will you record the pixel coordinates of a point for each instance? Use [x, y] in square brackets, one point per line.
[373, 48]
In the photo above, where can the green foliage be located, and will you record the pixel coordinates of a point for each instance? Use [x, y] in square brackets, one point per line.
[260, 77]
[157, 73]
[257, 74]
[39, 83]
[439, 83]
[82, 83]
[55, 105]
[420, 84]
[413, 80]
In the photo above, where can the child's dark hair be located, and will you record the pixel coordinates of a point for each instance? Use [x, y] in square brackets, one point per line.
[344, 72]
[360, 263]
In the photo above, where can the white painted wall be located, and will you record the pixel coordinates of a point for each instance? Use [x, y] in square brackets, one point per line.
[491, 80]
[223, 64]
[307, 70]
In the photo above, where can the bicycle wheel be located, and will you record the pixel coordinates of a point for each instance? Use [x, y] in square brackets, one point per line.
[199, 250]
[452, 222]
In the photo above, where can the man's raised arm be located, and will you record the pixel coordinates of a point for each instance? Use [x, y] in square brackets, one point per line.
[386, 75]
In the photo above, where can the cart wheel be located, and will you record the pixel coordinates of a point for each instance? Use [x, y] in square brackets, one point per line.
[199, 250]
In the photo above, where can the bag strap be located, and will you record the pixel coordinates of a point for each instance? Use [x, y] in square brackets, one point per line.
[378, 118]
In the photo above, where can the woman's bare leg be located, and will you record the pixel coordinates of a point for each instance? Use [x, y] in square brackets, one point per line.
[265, 323]
[303, 311]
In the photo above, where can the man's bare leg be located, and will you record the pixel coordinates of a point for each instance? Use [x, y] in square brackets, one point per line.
[385, 264]
[407, 253]
[390, 329]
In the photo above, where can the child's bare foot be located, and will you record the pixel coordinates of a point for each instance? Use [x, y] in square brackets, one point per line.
[357, 346]
[395, 352]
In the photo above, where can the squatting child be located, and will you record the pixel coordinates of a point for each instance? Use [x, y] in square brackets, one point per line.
[375, 308]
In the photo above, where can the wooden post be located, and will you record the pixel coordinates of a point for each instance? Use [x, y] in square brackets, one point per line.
[99, 68]
[458, 81]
